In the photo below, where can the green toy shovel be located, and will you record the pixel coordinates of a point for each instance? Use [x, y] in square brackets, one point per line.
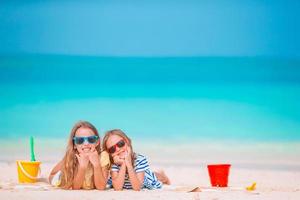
[32, 149]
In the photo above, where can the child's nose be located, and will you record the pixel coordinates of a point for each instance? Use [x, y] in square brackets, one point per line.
[85, 142]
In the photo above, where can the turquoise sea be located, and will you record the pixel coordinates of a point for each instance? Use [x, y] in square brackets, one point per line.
[161, 98]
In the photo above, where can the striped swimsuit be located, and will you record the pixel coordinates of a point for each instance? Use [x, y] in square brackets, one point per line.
[140, 165]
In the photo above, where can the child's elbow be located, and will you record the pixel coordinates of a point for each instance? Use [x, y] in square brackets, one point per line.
[100, 187]
[118, 188]
[76, 188]
[137, 189]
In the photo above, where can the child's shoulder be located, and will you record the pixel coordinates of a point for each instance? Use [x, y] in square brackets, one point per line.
[140, 158]
[141, 163]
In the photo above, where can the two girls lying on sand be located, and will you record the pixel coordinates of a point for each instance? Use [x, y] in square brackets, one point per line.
[87, 166]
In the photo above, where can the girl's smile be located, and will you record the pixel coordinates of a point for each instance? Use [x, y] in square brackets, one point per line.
[86, 149]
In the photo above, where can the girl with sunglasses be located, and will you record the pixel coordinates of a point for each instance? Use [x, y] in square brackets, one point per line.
[129, 170]
[83, 166]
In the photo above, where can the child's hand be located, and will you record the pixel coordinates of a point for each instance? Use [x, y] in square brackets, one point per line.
[83, 160]
[118, 160]
[128, 160]
[94, 158]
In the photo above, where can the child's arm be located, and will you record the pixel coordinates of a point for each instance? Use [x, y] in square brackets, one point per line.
[100, 174]
[79, 178]
[136, 179]
[56, 169]
[118, 178]
[99, 178]
[83, 161]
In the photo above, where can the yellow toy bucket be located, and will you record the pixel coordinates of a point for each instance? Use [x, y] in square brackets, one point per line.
[28, 171]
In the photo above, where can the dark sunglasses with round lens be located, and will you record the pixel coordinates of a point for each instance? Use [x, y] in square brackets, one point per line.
[90, 139]
[119, 144]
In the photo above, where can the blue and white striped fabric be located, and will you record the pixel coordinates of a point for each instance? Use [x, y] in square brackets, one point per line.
[140, 165]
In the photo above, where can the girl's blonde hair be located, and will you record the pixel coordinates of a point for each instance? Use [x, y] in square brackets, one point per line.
[123, 136]
[70, 162]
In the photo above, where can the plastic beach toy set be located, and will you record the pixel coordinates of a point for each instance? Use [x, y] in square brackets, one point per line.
[28, 171]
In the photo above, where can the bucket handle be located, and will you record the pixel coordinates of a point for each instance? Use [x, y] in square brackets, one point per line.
[26, 173]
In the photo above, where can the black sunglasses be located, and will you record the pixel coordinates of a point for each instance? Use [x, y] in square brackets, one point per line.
[90, 139]
[119, 144]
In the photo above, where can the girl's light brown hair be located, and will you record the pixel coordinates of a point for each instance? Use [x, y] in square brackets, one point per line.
[70, 162]
[123, 136]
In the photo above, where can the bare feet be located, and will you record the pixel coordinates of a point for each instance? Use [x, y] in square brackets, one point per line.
[162, 177]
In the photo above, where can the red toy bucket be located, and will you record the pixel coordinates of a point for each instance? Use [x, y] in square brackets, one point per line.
[219, 174]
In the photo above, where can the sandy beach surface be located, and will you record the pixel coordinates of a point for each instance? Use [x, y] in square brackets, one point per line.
[277, 176]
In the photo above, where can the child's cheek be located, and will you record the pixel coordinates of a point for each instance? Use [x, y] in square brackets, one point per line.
[114, 154]
[79, 149]
[93, 147]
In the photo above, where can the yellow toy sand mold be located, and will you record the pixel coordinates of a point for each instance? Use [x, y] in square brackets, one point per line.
[251, 187]
[28, 171]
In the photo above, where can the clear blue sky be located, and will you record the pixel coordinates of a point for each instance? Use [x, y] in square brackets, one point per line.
[151, 27]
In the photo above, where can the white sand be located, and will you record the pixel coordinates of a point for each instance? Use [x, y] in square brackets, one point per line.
[271, 184]
[274, 167]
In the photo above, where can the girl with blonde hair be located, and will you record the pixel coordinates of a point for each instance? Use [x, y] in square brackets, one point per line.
[83, 166]
[129, 170]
